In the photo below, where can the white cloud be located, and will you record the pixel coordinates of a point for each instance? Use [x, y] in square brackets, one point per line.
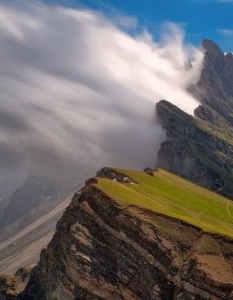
[78, 90]
[225, 32]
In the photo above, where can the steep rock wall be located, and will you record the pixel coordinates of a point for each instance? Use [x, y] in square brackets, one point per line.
[196, 150]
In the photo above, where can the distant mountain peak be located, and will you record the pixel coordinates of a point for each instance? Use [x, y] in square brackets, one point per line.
[216, 81]
[210, 47]
[229, 55]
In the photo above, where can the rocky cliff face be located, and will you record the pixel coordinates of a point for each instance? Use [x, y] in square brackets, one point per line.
[201, 148]
[196, 150]
[10, 286]
[216, 82]
[215, 86]
[103, 250]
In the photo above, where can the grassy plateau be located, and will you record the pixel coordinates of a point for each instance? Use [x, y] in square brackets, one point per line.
[173, 196]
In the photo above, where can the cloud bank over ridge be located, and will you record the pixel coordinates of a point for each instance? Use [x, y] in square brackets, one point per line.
[78, 91]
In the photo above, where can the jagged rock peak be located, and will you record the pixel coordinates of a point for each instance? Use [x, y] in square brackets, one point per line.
[214, 56]
[229, 55]
[215, 85]
[210, 47]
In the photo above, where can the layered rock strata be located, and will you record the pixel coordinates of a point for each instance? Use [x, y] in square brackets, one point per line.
[104, 250]
[196, 150]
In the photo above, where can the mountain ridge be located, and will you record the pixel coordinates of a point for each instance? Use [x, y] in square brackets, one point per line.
[102, 249]
[125, 225]
[200, 148]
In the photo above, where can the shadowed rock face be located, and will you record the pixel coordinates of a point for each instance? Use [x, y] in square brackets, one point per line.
[11, 285]
[216, 80]
[201, 148]
[196, 150]
[102, 250]
[215, 86]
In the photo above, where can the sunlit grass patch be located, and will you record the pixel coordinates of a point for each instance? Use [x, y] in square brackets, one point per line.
[173, 196]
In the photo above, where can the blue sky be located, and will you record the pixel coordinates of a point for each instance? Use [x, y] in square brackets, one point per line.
[201, 19]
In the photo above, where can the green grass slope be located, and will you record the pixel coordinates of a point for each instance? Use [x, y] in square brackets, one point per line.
[173, 196]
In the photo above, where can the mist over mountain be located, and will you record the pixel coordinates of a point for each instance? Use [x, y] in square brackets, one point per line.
[78, 91]
[152, 234]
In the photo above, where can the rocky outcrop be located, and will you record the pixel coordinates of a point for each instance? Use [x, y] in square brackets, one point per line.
[216, 80]
[104, 250]
[196, 150]
[11, 286]
[215, 86]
